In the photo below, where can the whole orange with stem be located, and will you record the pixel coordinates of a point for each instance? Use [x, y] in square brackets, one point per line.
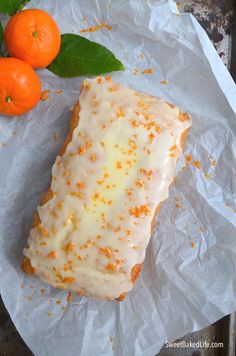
[20, 87]
[34, 37]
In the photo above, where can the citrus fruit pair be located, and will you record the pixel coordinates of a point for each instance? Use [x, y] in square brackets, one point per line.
[33, 40]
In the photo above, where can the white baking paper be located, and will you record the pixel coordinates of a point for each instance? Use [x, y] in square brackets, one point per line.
[189, 275]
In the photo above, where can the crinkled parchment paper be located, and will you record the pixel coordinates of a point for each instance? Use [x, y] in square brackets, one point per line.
[189, 275]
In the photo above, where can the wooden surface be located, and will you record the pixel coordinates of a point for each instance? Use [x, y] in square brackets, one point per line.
[11, 344]
[216, 16]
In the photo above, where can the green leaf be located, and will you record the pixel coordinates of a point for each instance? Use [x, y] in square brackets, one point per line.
[79, 56]
[1, 35]
[10, 7]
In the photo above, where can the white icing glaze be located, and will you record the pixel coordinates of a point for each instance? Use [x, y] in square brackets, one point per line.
[114, 173]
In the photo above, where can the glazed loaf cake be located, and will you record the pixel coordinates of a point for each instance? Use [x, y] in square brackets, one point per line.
[114, 170]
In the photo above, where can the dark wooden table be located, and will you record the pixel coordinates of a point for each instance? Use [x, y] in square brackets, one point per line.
[216, 16]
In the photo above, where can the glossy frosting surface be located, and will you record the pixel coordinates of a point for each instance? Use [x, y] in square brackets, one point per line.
[106, 188]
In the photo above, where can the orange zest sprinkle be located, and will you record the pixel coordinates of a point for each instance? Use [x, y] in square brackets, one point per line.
[59, 91]
[95, 196]
[82, 150]
[138, 211]
[86, 245]
[147, 71]
[77, 194]
[119, 261]
[158, 128]
[120, 113]
[143, 105]
[129, 163]
[164, 82]
[113, 88]
[173, 148]
[197, 164]
[98, 237]
[214, 163]
[129, 191]
[42, 230]
[66, 173]
[111, 267]
[106, 251]
[139, 183]
[52, 254]
[193, 245]
[119, 228]
[183, 116]
[86, 84]
[69, 280]
[188, 158]
[128, 232]
[151, 137]
[81, 185]
[108, 77]
[120, 238]
[96, 28]
[44, 95]
[147, 172]
[99, 80]
[135, 123]
[60, 204]
[88, 144]
[69, 247]
[69, 297]
[118, 165]
[66, 267]
[92, 157]
[136, 71]
[132, 144]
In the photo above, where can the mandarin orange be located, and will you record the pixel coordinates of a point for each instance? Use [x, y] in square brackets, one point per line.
[33, 36]
[20, 87]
